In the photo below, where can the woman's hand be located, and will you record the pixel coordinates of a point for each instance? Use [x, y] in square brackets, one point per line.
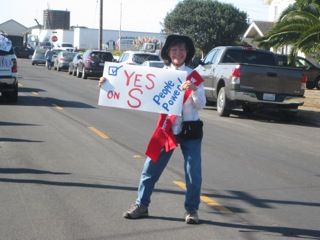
[101, 81]
[189, 85]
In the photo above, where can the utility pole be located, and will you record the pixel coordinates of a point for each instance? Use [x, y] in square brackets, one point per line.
[101, 25]
[120, 25]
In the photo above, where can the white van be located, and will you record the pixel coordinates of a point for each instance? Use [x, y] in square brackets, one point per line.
[8, 71]
[65, 46]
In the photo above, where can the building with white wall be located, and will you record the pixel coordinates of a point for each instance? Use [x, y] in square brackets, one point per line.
[85, 38]
[276, 7]
[260, 28]
[88, 38]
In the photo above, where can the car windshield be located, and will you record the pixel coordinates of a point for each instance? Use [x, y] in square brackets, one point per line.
[40, 52]
[56, 51]
[101, 57]
[248, 56]
[142, 57]
[66, 45]
[68, 55]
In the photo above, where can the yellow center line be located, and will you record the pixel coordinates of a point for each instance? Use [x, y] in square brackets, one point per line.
[207, 200]
[180, 184]
[99, 133]
[57, 107]
[137, 156]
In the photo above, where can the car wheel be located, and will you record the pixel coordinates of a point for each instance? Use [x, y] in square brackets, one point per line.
[78, 73]
[318, 83]
[223, 103]
[12, 96]
[84, 75]
[311, 85]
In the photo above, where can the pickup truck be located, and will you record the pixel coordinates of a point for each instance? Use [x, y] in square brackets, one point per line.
[8, 71]
[250, 78]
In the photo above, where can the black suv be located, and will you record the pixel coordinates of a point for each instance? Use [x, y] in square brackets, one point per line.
[92, 63]
[23, 52]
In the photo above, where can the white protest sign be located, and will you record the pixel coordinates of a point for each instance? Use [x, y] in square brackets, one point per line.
[142, 88]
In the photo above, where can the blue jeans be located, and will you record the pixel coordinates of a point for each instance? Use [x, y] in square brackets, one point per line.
[191, 150]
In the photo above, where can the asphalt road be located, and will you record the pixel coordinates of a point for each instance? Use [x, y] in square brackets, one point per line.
[69, 168]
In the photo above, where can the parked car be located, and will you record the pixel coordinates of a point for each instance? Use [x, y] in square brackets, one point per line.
[137, 57]
[23, 51]
[92, 63]
[55, 54]
[157, 64]
[38, 56]
[45, 44]
[65, 46]
[8, 71]
[72, 69]
[63, 59]
[311, 69]
[251, 78]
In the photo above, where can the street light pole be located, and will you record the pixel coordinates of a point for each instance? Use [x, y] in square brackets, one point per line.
[101, 25]
[120, 26]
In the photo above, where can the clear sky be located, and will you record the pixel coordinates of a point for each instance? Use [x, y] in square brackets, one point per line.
[137, 15]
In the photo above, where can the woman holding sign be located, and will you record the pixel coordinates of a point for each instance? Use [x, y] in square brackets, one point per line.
[184, 130]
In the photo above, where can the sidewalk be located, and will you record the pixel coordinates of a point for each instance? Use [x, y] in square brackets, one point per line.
[312, 100]
[310, 111]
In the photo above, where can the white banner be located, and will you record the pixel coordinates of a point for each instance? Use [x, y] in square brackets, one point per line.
[142, 88]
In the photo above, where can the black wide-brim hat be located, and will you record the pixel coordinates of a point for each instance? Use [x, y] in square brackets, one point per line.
[174, 39]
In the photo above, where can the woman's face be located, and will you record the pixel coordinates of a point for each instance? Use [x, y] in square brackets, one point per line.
[178, 54]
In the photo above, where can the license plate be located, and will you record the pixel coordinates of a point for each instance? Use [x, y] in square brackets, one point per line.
[269, 96]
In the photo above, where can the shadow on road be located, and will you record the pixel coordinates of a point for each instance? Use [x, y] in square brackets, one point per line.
[45, 101]
[282, 231]
[30, 90]
[259, 202]
[242, 196]
[29, 171]
[18, 140]
[306, 118]
[16, 124]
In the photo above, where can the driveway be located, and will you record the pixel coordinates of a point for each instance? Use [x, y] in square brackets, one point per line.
[312, 100]
[311, 108]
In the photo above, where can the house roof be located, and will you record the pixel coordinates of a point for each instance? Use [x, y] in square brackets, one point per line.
[257, 29]
[12, 27]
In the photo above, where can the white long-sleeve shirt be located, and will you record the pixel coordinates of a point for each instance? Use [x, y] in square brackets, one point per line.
[191, 107]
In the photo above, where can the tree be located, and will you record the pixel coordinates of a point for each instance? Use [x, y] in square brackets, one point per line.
[209, 23]
[298, 26]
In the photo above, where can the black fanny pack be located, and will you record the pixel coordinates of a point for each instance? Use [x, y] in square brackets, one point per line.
[192, 130]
